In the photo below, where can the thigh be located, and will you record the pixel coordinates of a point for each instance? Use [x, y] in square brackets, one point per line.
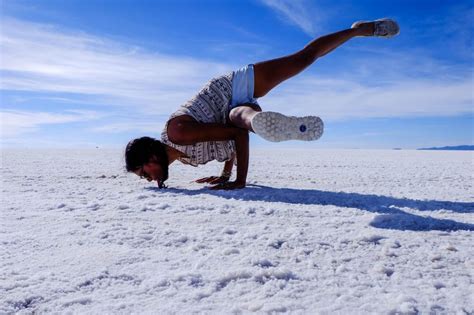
[270, 73]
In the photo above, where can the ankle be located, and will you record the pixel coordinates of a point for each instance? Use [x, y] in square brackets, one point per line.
[366, 29]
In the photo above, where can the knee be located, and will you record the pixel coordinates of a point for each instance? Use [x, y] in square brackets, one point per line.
[242, 115]
[244, 110]
[235, 116]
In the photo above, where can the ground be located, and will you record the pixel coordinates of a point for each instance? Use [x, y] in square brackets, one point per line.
[315, 231]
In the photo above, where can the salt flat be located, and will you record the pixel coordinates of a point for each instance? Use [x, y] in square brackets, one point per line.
[315, 231]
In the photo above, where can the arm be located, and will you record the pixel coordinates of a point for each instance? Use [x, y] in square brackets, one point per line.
[225, 175]
[242, 148]
[190, 132]
[186, 132]
[228, 165]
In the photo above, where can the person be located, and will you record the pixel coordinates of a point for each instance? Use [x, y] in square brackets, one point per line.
[215, 124]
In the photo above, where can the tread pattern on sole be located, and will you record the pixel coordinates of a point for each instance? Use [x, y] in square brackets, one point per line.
[276, 127]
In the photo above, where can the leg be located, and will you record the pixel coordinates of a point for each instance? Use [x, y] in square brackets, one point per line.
[241, 116]
[270, 73]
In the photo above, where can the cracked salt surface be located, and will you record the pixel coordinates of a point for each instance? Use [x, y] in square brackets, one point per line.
[315, 231]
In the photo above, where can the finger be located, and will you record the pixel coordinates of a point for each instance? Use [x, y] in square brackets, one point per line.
[202, 180]
[212, 179]
[216, 180]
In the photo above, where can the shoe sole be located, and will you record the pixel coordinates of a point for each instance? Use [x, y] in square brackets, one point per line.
[395, 28]
[276, 127]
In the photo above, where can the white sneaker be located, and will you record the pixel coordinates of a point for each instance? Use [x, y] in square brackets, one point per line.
[277, 127]
[383, 27]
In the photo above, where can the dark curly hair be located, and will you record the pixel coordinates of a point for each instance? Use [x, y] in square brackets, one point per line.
[139, 152]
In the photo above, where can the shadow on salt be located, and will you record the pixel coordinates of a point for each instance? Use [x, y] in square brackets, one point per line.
[392, 217]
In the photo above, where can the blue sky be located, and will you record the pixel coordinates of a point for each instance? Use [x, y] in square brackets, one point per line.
[98, 73]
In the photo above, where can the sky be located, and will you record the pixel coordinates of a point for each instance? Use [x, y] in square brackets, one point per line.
[98, 73]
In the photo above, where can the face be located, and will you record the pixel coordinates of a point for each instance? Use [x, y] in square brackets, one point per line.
[153, 171]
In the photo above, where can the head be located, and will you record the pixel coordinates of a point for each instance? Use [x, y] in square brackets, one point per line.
[147, 158]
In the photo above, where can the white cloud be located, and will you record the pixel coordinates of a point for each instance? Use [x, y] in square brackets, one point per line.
[124, 126]
[93, 70]
[16, 122]
[378, 81]
[295, 12]
[40, 58]
[346, 99]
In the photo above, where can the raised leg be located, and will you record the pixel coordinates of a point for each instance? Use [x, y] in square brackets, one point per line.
[270, 73]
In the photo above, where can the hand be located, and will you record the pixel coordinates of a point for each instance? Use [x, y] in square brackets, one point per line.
[213, 180]
[161, 184]
[228, 186]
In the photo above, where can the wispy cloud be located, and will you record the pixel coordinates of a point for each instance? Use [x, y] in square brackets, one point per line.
[295, 12]
[453, 28]
[37, 57]
[126, 126]
[16, 122]
[346, 99]
[74, 67]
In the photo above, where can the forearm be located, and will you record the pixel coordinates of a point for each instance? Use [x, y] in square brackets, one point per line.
[228, 165]
[242, 148]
